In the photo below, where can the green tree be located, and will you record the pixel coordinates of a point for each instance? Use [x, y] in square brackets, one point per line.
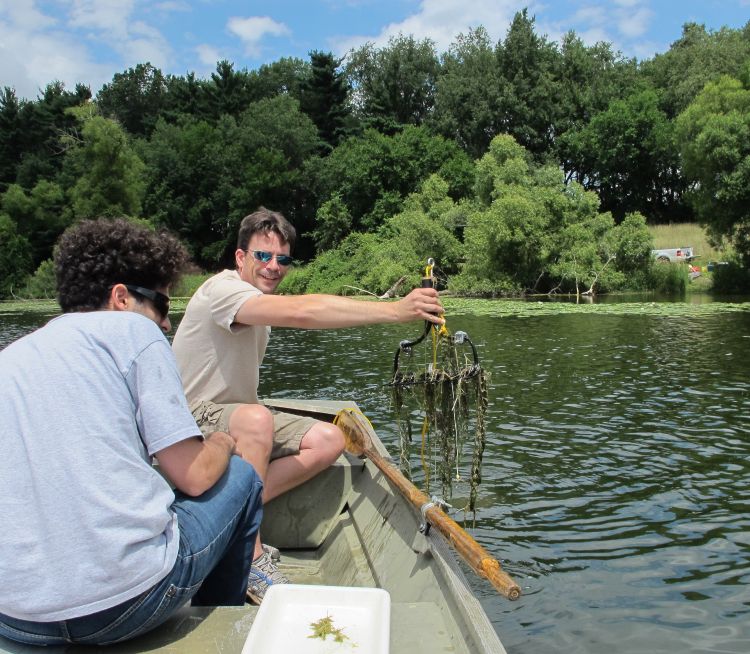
[11, 136]
[394, 85]
[186, 95]
[628, 155]
[361, 261]
[186, 163]
[530, 231]
[333, 222]
[283, 77]
[108, 172]
[586, 255]
[427, 225]
[136, 98]
[275, 140]
[15, 257]
[469, 92]
[589, 79]
[530, 102]
[42, 123]
[632, 243]
[372, 174]
[714, 138]
[697, 57]
[324, 98]
[40, 215]
[203, 177]
[228, 92]
[43, 283]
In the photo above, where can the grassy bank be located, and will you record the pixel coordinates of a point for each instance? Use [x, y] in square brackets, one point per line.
[677, 235]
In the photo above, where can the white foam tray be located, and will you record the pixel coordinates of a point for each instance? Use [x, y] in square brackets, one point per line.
[284, 620]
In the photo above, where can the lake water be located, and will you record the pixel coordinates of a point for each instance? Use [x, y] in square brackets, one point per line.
[616, 474]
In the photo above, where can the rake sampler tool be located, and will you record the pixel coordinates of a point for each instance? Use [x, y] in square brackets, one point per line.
[442, 396]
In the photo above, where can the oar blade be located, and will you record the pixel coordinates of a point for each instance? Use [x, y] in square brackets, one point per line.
[357, 440]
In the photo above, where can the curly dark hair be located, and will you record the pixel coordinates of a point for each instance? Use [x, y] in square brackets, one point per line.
[93, 255]
[265, 221]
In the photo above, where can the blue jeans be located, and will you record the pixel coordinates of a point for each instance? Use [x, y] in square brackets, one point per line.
[217, 537]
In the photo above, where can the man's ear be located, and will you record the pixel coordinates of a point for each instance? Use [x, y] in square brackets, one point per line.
[239, 258]
[119, 298]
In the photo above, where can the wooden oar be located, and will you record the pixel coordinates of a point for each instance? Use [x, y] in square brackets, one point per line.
[356, 430]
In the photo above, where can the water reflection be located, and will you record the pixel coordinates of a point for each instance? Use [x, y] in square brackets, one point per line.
[616, 472]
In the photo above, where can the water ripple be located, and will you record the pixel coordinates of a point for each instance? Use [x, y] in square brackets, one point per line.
[616, 475]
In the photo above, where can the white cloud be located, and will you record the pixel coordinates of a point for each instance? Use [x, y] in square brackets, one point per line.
[591, 14]
[74, 41]
[593, 35]
[171, 6]
[646, 49]
[443, 20]
[110, 17]
[144, 43]
[208, 55]
[24, 16]
[30, 61]
[634, 24]
[253, 30]
[111, 23]
[624, 24]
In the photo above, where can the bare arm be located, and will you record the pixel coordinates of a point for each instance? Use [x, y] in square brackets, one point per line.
[318, 311]
[195, 465]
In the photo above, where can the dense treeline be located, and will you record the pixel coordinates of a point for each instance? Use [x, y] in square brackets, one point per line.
[521, 165]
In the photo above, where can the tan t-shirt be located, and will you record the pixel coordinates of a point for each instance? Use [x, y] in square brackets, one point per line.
[218, 358]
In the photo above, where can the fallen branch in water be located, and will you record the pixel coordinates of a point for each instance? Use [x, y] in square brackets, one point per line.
[391, 292]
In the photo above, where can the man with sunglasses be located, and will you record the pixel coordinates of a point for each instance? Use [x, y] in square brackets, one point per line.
[220, 345]
[97, 547]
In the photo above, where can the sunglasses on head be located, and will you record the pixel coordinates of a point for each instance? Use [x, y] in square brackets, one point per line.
[159, 300]
[265, 257]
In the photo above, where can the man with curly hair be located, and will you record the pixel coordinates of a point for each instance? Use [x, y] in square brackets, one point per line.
[97, 548]
[220, 345]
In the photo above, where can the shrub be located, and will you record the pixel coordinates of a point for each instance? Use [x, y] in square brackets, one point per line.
[668, 279]
[471, 286]
[15, 257]
[731, 279]
[296, 281]
[42, 284]
[188, 284]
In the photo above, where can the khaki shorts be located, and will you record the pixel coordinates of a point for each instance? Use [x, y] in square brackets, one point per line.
[289, 428]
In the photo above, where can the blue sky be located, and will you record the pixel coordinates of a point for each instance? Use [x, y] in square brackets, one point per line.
[89, 41]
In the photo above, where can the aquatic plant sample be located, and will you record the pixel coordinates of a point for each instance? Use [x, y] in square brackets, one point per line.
[324, 628]
[443, 398]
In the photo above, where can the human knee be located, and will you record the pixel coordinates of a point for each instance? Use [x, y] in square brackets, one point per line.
[252, 424]
[328, 439]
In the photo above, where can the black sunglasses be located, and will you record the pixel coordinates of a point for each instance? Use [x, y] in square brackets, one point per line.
[159, 300]
[265, 257]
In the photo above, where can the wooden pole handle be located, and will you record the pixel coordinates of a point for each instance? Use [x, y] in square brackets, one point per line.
[477, 557]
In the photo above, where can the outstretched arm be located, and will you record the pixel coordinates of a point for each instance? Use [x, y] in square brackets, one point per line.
[317, 311]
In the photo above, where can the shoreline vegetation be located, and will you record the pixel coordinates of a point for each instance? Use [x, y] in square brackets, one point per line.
[640, 303]
[675, 281]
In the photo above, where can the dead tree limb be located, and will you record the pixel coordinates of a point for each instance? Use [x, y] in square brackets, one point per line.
[391, 292]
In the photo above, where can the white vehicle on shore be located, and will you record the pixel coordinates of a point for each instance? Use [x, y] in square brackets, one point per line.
[674, 255]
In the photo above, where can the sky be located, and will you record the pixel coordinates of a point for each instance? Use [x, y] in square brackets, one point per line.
[88, 41]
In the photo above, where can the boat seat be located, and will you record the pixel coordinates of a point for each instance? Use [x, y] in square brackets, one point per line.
[304, 517]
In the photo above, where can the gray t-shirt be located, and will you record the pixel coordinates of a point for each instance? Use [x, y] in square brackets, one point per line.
[86, 521]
